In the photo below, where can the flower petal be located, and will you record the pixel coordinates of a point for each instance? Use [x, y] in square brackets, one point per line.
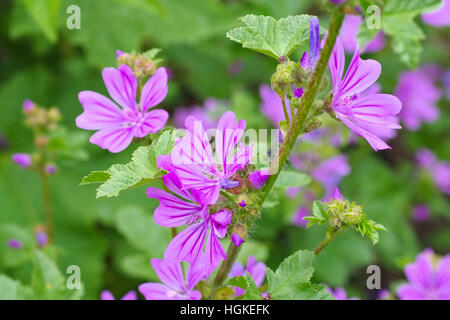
[170, 273]
[121, 85]
[154, 121]
[158, 291]
[99, 112]
[337, 64]
[155, 89]
[113, 139]
[410, 292]
[172, 211]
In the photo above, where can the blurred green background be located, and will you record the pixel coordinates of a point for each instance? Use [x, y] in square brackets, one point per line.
[112, 240]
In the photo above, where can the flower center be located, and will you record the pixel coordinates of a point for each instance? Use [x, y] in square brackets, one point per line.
[133, 117]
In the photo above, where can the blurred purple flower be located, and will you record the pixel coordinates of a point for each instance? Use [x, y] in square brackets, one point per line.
[446, 82]
[208, 114]
[50, 169]
[259, 178]
[297, 218]
[340, 294]
[22, 159]
[235, 67]
[14, 244]
[384, 294]
[429, 278]
[421, 212]
[107, 295]
[439, 170]
[41, 238]
[349, 33]
[174, 286]
[28, 106]
[257, 271]
[271, 105]
[330, 172]
[118, 126]
[419, 95]
[440, 17]
[337, 1]
[368, 115]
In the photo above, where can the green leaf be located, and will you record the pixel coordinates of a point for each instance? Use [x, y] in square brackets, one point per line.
[275, 38]
[141, 170]
[248, 284]
[291, 273]
[319, 214]
[291, 178]
[411, 6]
[142, 232]
[11, 289]
[45, 15]
[95, 177]
[370, 229]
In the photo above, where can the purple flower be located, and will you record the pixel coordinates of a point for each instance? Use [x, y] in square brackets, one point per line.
[337, 1]
[118, 126]
[340, 294]
[429, 278]
[22, 159]
[421, 212]
[206, 113]
[192, 157]
[349, 33]
[439, 170]
[237, 240]
[271, 105]
[298, 216]
[384, 294]
[259, 178]
[28, 106]
[366, 115]
[190, 208]
[419, 95]
[440, 17]
[257, 271]
[175, 287]
[331, 171]
[41, 238]
[14, 244]
[107, 295]
[50, 169]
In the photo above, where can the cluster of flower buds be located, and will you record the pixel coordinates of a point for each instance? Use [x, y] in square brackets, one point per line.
[142, 64]
[343, 212]
[40, 119]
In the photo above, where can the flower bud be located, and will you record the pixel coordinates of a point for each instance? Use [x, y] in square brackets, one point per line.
[41, 141]
[285, 74]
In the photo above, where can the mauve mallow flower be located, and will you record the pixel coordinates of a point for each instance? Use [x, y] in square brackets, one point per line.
[366, 115]
[257, 271]
[298, 216]
[349, 33]
[440, 17]
[421, 212]
[190, 208]
[330, 172]
[419, 95]
[429, 278]
[259, 178]
[439, 170]
[22, 159]
[310, 60]
[199, 168]
[107, 295]
[117, 126]
[14, 244]
[174, 286]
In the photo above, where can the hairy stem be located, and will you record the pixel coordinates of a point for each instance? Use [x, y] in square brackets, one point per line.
[47, 201]
[330, 236]
[296, 128]
[286, 113]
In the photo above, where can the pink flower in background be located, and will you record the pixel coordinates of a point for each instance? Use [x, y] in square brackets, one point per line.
[117, 126]
[366, 115]
[340, 294]
[208, 113]
[429, 278]
[330, 172]
[271, 105]
[174, 286]
[257, 271]
[190, 208]
[298, 216]
[194, 162]
[419, 95]
[107, 295]
[22, 159]
[439, 170]
[349, 33]
[28, 106]
[50, 169]
[421, 212]
[440, 17]
[14, 244]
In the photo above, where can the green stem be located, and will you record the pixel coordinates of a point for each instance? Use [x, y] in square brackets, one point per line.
[330, 236]
[47, 201]
[286, 113]
[228, 196]
[297, 127]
